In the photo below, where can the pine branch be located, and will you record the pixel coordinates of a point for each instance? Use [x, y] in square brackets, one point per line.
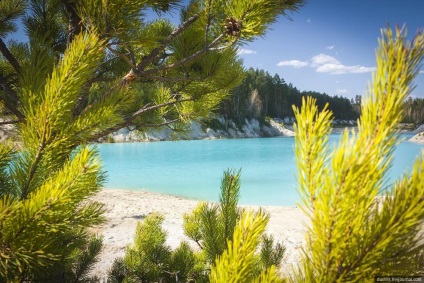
[213, 241]
[139, 72]
[87, 259]
[10, 122]
[82, 100]
[33, 219]
[132, 75]
[128, 121]
[10, 98]
[230, 194]
[123, 57]
[147, 60]
[170, 79]
[9, 56]
[159, 124]
[355, 246]
[33, 169]
[184, 61]
[149, 107]
[236, 264]
[208, 21]
[75, 23]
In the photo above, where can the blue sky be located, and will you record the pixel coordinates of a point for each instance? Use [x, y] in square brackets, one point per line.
[329, 45]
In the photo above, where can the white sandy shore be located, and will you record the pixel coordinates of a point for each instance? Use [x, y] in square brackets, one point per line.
[126, 208]
[418, 138]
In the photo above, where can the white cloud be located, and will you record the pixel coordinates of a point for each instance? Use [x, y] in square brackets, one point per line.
[331, 47]
[327, 64]
[308, 21]
[342, 91]
[293, 63]
[245, 51]
[322, 59]
[336, 69]
[421, 72]
[324, 63]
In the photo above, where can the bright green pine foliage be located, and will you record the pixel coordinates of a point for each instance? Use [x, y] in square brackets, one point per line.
[212, 226]
[149, 259]
[237, 263]
[86, 70]
[82, 260]
[173, 73]
[356, 234]
[45, 179]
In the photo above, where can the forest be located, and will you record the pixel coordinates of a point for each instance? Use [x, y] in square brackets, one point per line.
[414, 110]
[262, 95]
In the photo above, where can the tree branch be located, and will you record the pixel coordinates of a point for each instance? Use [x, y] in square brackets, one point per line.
[83, 98]
[9, 56]
[130, 119]
[10, 98]
[33, 169]
[132, 56]
[208, 23]
[172, 79]
[147, 60]
[75, 26]
[149, 107]
[159, 124]
[123, 57]
[183, 61]
[9, 122]
[139, 72]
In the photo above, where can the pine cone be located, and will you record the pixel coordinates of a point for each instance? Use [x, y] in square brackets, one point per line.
[233, 27]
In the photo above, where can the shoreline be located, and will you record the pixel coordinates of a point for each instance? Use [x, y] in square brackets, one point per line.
[125, 208]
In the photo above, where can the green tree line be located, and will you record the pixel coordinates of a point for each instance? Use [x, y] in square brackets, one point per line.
[414, 110]
[260, 95]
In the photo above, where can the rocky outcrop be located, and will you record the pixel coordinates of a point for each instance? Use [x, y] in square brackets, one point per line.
[419, 137]
[224, 129]
[6, 131]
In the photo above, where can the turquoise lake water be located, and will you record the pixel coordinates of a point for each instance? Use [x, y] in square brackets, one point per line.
[194, 169]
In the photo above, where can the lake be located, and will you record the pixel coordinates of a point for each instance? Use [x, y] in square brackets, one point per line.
[194, 169]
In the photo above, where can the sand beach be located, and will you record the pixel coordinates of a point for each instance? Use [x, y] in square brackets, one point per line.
[125, 208]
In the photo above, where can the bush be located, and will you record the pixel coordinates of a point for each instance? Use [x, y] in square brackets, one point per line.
[212, 227]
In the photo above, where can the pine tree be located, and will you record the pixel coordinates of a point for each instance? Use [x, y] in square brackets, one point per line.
[46, 178]
[173, 74]
[237, 263]
[213, 227]
[355, 234]
[87, 69]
